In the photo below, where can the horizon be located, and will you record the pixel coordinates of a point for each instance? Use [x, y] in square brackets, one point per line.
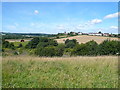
[60, 17]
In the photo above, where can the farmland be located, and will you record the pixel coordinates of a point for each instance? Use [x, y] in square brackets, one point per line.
[86, 38]
[60, 72]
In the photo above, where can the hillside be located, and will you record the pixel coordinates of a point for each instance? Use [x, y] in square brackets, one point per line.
[86, 38]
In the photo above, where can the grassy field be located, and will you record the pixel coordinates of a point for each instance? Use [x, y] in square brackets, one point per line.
[86, 38]
[23, 43]
[60, 72]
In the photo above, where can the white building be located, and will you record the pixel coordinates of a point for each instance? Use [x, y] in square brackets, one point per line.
[79, 33]
[96, 34]
[106, 34]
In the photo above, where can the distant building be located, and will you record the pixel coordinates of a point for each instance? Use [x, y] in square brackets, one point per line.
[96, 34]
[79, 33]
[106, 34]
[85, 34]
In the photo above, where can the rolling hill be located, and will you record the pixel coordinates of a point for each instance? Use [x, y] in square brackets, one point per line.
[86, 38]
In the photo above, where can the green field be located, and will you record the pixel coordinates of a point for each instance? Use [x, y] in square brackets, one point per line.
[23, 43]
[60, 72]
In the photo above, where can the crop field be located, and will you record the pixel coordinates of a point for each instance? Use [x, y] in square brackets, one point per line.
[86, 38]
[60, 72]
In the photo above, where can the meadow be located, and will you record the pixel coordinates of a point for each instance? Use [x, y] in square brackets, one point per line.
[60, 72]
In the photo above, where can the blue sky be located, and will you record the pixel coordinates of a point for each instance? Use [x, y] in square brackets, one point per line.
[56, 17]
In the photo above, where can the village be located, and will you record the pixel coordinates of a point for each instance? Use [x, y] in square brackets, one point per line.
[90, 34]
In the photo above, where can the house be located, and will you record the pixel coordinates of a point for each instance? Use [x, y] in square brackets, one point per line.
[95, 34]
[79, 33]
[106, 34]
[84, 33]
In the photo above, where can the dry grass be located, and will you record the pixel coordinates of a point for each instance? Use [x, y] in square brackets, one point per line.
[86, 38]
[60, 72]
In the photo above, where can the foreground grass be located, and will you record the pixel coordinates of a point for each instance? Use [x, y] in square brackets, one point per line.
[59, 72]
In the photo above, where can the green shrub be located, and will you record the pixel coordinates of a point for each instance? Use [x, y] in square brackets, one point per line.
[71, 43]
[92, 47]
[108, 47]
[47, 51]
[20, 45]
[33, 43]
[80, 50]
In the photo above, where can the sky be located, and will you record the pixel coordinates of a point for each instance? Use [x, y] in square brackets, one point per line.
[59, 17]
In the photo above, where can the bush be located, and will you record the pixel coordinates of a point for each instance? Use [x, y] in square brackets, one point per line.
[47, 51]
[50, 51]
[89, 48]
[92, 47]
[41, 42]
[20, 45]
[71, 43]
[60, 50]
[108, 47]
[80, 50]
[33, 43]
[6, 44]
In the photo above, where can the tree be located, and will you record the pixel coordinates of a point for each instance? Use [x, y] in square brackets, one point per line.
[5, 44]
[33, 43]
[60, 50]
[108, 47]
[50, 51]
[71, 43]
[47, 51]
[80, 50]
[92, 47]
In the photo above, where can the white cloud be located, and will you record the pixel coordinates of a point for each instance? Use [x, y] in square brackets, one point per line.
[80, 27]
[95, 21]
[114, 27]
[112, 15]
[61, 27]
[11, 27]
[36, 12]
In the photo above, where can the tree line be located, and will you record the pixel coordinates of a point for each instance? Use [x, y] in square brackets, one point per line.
[43, 46]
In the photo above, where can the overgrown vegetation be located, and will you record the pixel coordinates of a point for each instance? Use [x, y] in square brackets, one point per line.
[43, 46]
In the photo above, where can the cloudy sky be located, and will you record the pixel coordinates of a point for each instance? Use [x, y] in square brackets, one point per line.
[57, 17]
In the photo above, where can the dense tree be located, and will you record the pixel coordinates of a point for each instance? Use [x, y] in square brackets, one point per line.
[60, 50]
[80, 50]
[47, 51]
[33, 43]
[108, 47]
[41, 42]
[71, 43]
[92, 47]
[6, 44]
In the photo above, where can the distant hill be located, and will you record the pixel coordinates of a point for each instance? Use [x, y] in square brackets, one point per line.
[86, 38]
[7, 35]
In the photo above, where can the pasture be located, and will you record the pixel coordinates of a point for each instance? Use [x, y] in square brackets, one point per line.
[60, 72]
[87, 38]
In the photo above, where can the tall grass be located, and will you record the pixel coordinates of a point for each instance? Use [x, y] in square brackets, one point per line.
[60, 72]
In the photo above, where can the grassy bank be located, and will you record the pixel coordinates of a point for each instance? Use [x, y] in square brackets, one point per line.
[60, 72]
